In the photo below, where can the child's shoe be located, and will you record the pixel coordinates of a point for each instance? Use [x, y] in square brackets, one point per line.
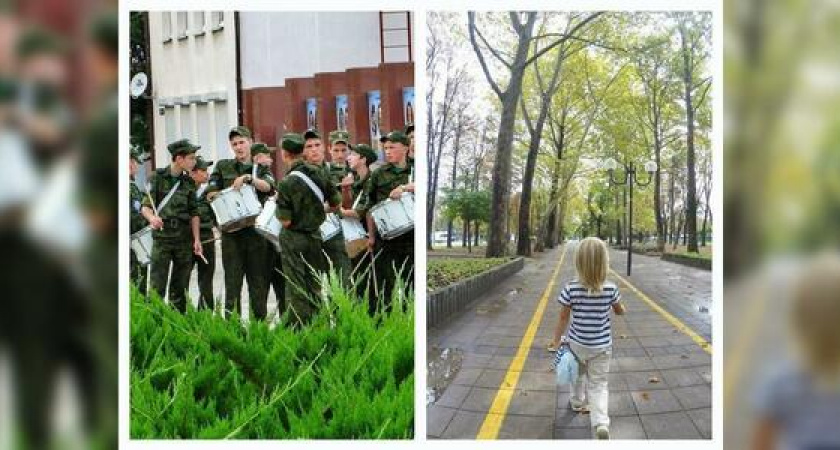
[602, 432]
[578, 407]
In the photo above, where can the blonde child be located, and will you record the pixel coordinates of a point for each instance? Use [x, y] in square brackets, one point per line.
[587, 301]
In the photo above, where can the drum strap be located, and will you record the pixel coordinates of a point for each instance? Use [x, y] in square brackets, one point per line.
[168, 197]
[201, 190]
[358, 197]
[309, 183]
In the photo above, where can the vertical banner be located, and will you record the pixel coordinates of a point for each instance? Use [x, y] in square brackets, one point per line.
[312, 113]
[375, 121]
[341, 111]
[408, 105]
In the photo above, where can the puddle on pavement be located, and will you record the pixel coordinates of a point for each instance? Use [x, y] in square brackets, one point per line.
[498, 305]
[443, 365]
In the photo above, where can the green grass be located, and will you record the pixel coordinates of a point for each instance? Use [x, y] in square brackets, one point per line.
[345, 376]
[445, 271]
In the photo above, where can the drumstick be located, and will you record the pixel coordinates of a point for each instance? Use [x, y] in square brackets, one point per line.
[201, 255]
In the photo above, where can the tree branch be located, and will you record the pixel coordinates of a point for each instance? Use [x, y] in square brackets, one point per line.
[472, 29]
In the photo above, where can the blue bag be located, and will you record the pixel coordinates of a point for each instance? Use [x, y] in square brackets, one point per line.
[566, 365]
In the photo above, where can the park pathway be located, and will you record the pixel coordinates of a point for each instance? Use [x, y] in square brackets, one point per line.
[496, 381]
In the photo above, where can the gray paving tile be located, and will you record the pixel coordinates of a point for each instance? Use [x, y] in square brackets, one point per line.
[637, 381]
[538, 381]
[621, 404]
[474, 361]
[564, 417]
[453, 396]
[527, 427]
[464, 425]
[532, 403]
[467, 377]
[572, 433]
[490, 378]
[675, 425]
[633, 364]
[682, 377]
[437, 419]
[500, 362]
[626, 428]
[702, 419]
[479, 400]
[693, 397]
[705, 373]
[653, 402]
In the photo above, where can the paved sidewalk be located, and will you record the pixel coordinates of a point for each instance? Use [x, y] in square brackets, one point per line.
[660, 379]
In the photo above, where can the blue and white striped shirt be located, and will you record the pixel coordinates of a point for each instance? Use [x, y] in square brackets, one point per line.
[590, 324]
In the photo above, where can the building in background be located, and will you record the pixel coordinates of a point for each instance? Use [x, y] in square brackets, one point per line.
[277, 72]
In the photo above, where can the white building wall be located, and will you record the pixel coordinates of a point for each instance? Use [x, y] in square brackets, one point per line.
[280, 45]
[194, 80]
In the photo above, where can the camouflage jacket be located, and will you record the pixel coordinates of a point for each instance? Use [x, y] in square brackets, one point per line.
[359, 185]
[137, 221]
[337, 172]
[379, 185]
[176, 214]
[228, 170]
[205, 211]
[297, 202]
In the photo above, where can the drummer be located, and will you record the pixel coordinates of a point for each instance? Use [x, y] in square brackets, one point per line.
[334, 247]
[339, 144]
[395, 256]
[262, 155]
[244, 252]
[136, 220]
[174, 217]
[301, 214]
[206, 266]
[359, 160]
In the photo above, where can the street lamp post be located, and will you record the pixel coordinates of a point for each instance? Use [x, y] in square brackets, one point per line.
[630, 178]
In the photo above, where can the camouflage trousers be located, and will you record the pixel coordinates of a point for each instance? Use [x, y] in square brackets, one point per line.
[303, 260]
[245, 256]
[206, 299]
[394, 259]
[336, 251]
[178, 254]
[138, 273]
[278, 283]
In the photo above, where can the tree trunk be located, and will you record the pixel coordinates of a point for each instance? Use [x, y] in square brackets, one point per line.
[464, 234]
[691, 194]
[476, 226]
[449, 230]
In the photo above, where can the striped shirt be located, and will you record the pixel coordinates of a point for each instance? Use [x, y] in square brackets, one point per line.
[590, 324]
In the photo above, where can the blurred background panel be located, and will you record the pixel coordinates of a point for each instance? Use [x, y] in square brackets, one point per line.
[58, 224]
[781, 223]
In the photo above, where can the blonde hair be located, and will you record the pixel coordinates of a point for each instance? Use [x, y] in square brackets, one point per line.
[815, 315]
[591, 262]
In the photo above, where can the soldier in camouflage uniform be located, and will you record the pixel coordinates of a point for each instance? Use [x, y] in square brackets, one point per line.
[261, 155]
[301, 213]
[339, 144]
[176, 224]
[394, 256]
[206, 266]
[244, 252]
[335, 247]
[136, 220]
[360, 158]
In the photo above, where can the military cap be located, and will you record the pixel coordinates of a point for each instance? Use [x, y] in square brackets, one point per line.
[292, 142]
[396, 136]
[201, 163]
[259, 147]
[311, 134]
[37, 41]
[105, 33]
[366, 152]
[182, 147]
[240, 131]
[339, 136]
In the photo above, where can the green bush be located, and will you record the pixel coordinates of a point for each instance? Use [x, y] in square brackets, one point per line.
[445, 271]
[346, 375]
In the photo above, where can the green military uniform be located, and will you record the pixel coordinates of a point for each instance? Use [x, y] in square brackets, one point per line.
[275, 261]
[395, 256]
[136, 223]
[361, 263]
[173, 243]
[244, 252]
[335, 247]
[300, 242]
[207, 270]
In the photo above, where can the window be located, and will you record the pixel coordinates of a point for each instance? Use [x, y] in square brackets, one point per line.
[198, 23]
[217, 20]
[182, 24]
[167, 26]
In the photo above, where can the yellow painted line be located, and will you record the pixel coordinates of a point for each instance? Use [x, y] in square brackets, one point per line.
[668, 316]
[496, 415]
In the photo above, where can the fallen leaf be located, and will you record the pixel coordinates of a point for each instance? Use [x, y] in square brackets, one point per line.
[684, 356]
[645, 396]
[653, 380]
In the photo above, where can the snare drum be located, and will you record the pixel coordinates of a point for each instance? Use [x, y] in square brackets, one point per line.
[355, 236]
[267, 225]
[330, 227]
[236, 208]
[141, 244]
[394, 218]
